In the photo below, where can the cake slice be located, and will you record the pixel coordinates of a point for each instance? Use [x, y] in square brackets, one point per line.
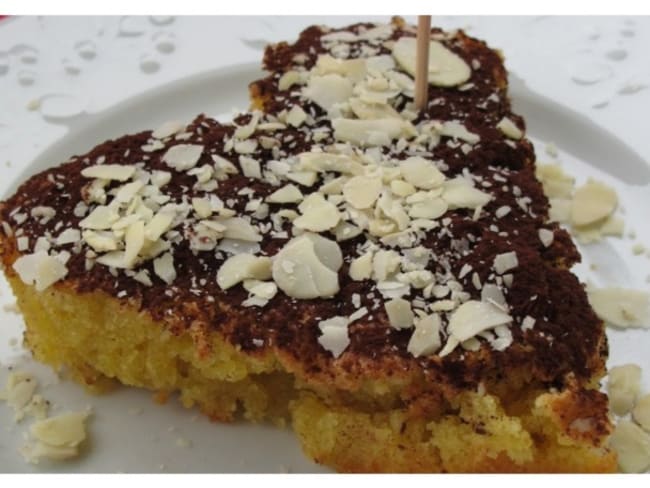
[385, 281]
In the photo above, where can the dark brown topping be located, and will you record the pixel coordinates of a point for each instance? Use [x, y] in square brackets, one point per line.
[567, 337]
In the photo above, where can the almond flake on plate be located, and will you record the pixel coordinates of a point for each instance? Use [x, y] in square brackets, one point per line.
[592, 202]
[623, 387]
[632, 444]
[641, 412]
[57, 438]
[621, 307]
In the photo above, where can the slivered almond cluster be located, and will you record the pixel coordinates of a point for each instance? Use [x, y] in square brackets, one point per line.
[369, 174]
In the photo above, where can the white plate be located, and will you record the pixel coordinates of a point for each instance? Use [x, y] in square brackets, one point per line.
[124, 441]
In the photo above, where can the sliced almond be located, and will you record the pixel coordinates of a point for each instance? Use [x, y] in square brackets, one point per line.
[159, 224]
[362, 191]
[239, 228]
[446, 68]
[286, 194]
[100, 218]
[505, 262]
[299, 272]
[116, 172]
[456, 130]
[134, 242]
[67, 430]
[68, 236]
[262, 289]
[290, 78]
[421, 173]
[623, 386]
[632, 444]
[168, 129]
[509, 128]
[40, 269]
[425, 340]
[546, 236]
[462, 195]
[429, 209]
[250, 167]
[556, 183]
[470, 319]
[384, 264]
[245, 131]
[376, 132]
[621, 307]
[401, 188]
[354, 69]
[182, 157]
[164, 268]
[243, 267]
[113, 259]
[318, 214]
[329, 253]
[361, 267]
[126, 192]
[344, 231]
[326, 162]
[296, 116]
[304, 178]
[641, 412]
[400, 315]
[328, 90]
[560, 210]
[369, 111]
[592, 202]
[247, 146]
[19, 392]
[334, 335]
[223, 167]
[101, 241]
[202, 207]
[160, 178]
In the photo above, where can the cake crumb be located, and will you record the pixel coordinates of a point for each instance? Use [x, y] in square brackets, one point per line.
[551, 149]
[638, 249]
[184, 443]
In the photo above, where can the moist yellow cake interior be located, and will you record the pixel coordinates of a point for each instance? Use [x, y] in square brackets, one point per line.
[129, 347]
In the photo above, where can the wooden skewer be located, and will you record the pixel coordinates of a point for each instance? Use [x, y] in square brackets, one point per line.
[422, 62]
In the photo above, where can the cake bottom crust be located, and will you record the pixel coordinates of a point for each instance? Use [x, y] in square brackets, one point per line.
[102, 342]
